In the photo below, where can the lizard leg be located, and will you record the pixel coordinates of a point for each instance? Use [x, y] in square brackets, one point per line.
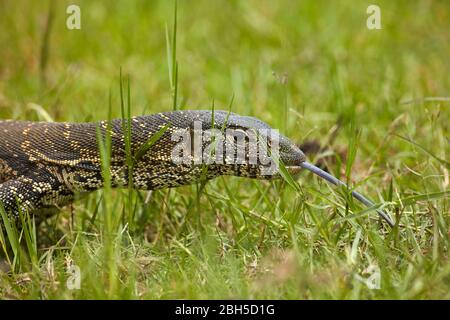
[18, 194]
[29, 193]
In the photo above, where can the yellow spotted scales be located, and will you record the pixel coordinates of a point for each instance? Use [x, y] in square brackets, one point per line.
[46, 164]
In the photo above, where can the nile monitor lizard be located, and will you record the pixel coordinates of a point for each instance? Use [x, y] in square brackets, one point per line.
[47, 164]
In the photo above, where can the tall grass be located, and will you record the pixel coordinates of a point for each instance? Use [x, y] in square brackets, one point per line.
[296, 237]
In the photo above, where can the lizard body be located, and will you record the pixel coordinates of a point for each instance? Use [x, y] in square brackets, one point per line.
[47, 164]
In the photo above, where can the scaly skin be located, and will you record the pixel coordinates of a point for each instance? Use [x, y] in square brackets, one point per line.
[46, 164]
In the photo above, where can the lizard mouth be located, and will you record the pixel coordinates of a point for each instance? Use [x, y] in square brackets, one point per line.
[293, 169]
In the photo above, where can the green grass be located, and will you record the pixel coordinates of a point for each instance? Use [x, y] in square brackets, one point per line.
[303, 67]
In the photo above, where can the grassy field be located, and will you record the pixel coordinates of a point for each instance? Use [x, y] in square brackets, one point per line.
[309, 68]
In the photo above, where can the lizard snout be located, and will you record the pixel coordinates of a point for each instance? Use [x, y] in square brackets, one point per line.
[290, 154]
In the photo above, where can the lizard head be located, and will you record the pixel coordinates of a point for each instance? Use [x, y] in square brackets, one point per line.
[205, 144]
[256, 148]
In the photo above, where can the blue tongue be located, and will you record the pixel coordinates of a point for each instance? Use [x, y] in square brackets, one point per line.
[336, 181]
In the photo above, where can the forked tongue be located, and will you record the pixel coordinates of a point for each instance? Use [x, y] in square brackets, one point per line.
[328, 177]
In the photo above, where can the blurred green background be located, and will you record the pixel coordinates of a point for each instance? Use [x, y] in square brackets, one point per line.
[305, 67]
